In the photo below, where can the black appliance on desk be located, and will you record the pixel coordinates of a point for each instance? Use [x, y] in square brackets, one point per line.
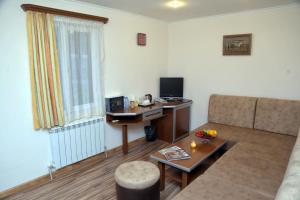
[113, 104]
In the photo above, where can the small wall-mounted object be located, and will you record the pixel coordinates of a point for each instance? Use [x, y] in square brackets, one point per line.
[141, 39]
[237, 44]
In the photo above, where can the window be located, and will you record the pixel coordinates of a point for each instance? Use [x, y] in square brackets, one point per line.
[79, 48]
[81, 72]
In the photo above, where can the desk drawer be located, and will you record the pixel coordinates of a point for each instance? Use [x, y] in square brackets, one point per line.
[152, 114]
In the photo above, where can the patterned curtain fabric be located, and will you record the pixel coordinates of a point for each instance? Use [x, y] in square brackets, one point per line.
[80, 52]
[44, 71]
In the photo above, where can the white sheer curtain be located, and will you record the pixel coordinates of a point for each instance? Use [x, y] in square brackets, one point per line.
[80, 49]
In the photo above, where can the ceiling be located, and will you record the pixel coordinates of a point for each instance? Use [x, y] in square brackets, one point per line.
[192, 9]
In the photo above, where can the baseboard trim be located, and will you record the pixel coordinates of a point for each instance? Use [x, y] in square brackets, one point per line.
[65, 171]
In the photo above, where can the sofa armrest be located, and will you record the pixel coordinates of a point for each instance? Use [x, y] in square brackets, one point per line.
[290, 186]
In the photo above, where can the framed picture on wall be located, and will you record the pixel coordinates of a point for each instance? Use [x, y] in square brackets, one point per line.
[237, 44]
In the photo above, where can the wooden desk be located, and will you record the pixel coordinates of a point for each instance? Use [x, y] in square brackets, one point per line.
[176, 123]
[171, 120]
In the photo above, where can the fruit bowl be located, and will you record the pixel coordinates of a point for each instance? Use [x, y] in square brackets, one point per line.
[206, 134]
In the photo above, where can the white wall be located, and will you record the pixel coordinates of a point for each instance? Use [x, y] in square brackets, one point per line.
[129, 70]
[273, 69]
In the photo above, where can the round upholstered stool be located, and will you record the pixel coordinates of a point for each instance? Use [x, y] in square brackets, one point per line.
[137, 180]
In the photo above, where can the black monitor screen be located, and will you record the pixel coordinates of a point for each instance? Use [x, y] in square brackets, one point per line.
[171, 87]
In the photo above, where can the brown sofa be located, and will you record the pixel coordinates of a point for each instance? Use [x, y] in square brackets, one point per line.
[261, 134]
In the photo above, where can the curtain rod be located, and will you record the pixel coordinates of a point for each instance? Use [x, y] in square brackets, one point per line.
[37, 8]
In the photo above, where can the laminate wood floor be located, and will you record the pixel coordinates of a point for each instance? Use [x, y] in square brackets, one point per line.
[96, 181]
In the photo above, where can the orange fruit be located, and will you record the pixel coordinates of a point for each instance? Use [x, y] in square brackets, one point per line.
[212, 133]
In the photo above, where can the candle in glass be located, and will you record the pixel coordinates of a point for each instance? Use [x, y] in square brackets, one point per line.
[193, 144]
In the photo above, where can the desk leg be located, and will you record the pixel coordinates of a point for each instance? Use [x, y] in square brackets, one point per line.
[125, 139]
[162, 167]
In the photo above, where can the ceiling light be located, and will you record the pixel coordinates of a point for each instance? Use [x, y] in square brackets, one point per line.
[175, 4]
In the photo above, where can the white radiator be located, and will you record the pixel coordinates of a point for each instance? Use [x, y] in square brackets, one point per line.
[76, 142]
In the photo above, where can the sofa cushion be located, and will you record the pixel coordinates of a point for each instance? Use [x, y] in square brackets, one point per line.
[274, 156]
[257, 172]
[246, 171]
[290, 187]
[279, 116]
[252, 169]
[208, 187]
[237, 134]
[232, 110]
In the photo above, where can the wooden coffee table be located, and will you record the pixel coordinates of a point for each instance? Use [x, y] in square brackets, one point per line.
[198, 156]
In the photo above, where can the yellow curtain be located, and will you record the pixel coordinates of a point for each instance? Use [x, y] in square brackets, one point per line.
[44, 71]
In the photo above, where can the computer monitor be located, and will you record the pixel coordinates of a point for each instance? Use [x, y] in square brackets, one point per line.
[171, 88]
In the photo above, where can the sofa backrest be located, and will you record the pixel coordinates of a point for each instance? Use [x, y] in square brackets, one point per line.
[290, 186]
[277, 115]
[232, 110]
